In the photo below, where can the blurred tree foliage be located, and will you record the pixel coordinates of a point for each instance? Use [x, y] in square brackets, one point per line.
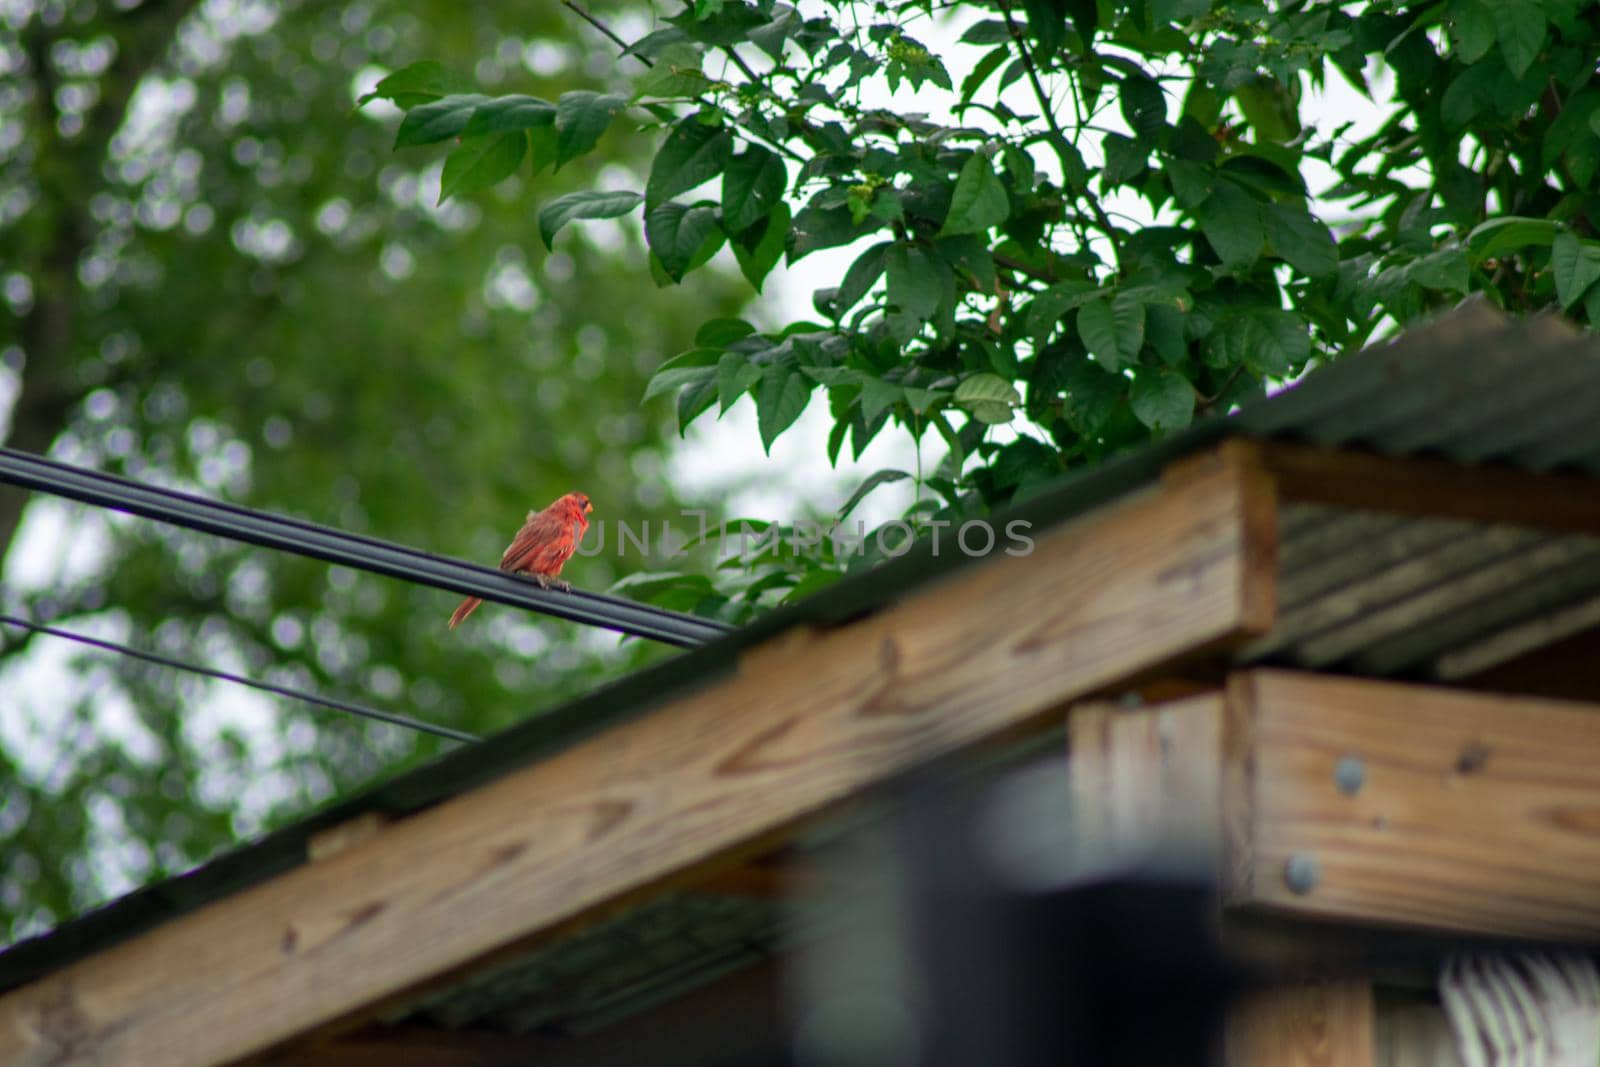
[216, 276]
[1084, 224]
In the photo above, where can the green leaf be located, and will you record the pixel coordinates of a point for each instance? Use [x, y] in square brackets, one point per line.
[992, 31]
[1576, 264]
[417, 84]
[735, 375]
[1125, 158]
[861, 277]
[1112, 331]
[543, 146]
[1047, 20]
[692, 155]
[506, 113]
[986, 387]
[1191, 182]
[990, 398]
[1162, 399]
[644, 585]
[983, 69]
[1300, 240]
[758, 256]
[1202, 104]
[1144, 106]
[816, 228]
[1163, 332]
[437, 121]
[1270, 110]
[1163, 11]
[719, 22]
[1047, 309]
[871, 482]
[921, 400]
[1231, 220]
[1498, 236]
[781, 398]
[479, 162]
[1265, 341]
[1519, 29]
[1472, 25]
[720, 333]
[969, 256]
[676, 232]
[691, 366]
[696, 400]
[1445, 270]
[754, 181]
[1469, 95]
[914, 283]
[878, 395]
[586, 204]
[979, 200]
[1571, 136]
[991, 413]
[677, 73]
[581, 117]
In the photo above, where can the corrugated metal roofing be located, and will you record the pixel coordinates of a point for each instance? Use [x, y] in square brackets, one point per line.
[1383, 595]
[1372, 593]
[675, 942]
[1473, 387]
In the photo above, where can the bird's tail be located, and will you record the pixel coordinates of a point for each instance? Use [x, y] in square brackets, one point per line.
[467, 607]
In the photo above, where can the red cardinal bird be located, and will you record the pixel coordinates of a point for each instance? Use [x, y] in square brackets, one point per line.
[545, 542]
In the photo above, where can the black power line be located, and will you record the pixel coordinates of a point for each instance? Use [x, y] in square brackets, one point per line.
[352, 550]
[210, 672]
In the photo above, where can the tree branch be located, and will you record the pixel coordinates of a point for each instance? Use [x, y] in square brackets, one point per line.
[1101, 221]
[591, 19]
[584, 14]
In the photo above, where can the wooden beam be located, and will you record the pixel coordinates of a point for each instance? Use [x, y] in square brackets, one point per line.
[1438, 488]
[1146, 780]
[808, 721]
[1457, 810]
[1312, 1024]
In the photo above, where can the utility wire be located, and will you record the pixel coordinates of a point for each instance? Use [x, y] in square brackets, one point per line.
[238, 679]
[351, 550]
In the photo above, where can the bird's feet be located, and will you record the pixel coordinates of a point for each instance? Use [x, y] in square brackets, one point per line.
[545, 581]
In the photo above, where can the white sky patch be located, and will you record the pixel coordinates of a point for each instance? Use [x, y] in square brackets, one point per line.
[37, 691]
[58, 545]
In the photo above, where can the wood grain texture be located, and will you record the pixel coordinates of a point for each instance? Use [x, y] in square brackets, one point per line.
[1311, 1024]
[1478, 812]
[808, 721]
[1146, 781]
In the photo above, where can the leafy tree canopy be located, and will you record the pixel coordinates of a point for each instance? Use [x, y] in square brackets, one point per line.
[1086, 223]
[213, 277]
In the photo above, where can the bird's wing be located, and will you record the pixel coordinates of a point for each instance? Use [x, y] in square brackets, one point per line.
[544, 543]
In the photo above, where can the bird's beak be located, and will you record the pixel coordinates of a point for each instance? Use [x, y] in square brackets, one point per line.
[587, 507]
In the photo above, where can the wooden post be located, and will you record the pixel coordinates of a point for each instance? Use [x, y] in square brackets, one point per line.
[1312, 1024]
